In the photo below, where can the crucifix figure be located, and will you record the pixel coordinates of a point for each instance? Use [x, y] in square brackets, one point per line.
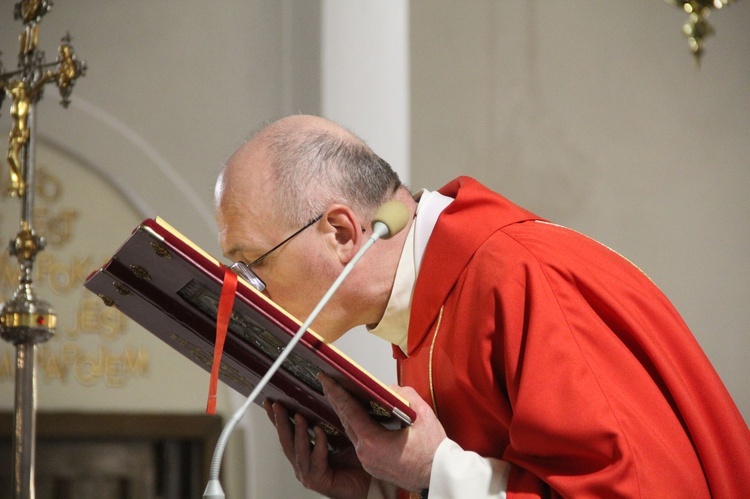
[26, 88]
[19, 133]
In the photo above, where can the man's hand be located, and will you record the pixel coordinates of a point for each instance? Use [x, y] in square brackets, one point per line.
[339, 476]
[402, 457]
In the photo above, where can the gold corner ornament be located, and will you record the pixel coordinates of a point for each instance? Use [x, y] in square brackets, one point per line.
[697, 28]
[379, 409]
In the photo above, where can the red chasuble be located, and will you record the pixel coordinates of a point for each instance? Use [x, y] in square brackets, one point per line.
[541, 347]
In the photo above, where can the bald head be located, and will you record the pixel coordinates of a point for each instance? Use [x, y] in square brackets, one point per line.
[306, 163]
[301, 124]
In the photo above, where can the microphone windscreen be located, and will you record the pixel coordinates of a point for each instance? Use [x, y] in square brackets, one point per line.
[394, 215]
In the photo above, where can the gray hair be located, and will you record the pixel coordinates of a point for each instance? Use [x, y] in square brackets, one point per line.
[315, 168]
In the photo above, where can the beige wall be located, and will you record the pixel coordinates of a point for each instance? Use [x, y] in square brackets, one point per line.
[173, 87]
[593, 115]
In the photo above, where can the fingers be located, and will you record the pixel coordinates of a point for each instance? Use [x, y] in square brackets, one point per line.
[311, 463]
[422, 408]
[353, 416]
[408, 393]
[319, 456]
[280, 418]
[268, 406]
[301, 446]
[295, 441]
[402, 457]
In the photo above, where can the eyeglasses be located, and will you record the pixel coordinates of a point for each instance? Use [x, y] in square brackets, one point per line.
[244, 270]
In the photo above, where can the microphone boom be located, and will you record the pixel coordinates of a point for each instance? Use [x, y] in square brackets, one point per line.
[390, 219]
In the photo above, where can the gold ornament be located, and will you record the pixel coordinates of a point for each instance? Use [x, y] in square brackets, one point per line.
[696, 29]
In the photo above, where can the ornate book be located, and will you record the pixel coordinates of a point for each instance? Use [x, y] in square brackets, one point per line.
[171, 287]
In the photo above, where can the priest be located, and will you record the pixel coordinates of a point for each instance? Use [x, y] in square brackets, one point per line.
[540, 363]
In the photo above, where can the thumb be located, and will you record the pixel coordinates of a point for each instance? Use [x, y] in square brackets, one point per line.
[410, 395]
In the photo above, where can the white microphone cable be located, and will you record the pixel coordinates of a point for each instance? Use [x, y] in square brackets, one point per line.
[390, 219]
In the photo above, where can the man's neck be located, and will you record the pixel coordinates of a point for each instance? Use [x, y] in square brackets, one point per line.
[383, 264]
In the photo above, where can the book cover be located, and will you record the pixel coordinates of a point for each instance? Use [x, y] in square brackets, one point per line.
[171, 287]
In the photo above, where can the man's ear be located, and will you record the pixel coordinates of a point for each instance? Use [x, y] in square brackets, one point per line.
[345, 232]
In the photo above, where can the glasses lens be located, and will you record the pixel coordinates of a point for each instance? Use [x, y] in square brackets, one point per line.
[242, 270]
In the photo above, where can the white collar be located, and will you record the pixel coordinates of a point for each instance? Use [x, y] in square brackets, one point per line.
[394, 326]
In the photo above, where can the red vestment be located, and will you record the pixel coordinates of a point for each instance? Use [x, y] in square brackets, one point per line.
[541, 347]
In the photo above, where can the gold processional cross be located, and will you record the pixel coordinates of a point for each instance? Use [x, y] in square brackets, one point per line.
[26, 321]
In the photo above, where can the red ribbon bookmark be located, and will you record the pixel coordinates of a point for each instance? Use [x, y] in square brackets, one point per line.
[226, 303]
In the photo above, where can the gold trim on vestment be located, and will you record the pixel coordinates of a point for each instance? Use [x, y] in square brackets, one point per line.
[432, 347]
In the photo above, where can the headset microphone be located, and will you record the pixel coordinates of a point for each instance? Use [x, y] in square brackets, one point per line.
[390, 219]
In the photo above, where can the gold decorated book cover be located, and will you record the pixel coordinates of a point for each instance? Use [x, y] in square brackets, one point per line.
[171, 287]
